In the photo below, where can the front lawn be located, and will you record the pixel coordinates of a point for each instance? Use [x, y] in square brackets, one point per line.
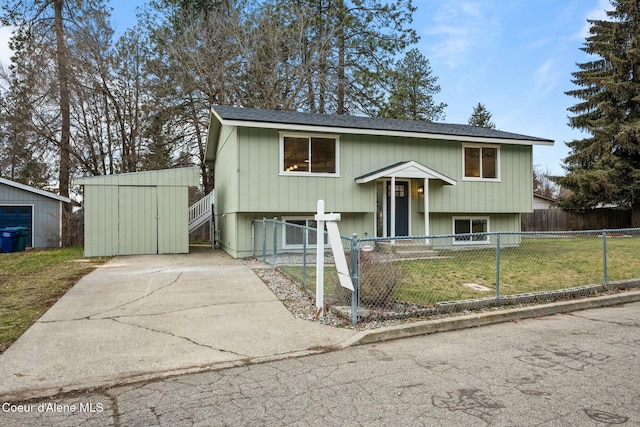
[32, 281]
[535, 265]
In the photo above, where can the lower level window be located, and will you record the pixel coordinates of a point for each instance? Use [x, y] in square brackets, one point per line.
[294, 236]
[471, 230]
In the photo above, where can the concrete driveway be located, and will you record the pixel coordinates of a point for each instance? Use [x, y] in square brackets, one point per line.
[140, 317]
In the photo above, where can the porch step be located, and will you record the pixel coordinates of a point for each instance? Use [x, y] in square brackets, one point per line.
[407, 249]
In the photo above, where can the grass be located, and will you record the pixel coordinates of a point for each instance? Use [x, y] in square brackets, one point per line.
[535, 265]
[32, 281]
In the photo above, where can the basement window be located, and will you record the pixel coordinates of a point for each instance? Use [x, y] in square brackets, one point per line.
[293, 237]
[470, 230]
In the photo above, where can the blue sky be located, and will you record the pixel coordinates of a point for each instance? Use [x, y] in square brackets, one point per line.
[513, 56]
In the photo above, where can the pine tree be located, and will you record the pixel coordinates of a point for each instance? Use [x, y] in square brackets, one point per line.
[412, 89]
[604, 168]
[47, 35]
[481, 117]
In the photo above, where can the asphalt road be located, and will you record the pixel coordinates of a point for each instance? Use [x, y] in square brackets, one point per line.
[578, 369]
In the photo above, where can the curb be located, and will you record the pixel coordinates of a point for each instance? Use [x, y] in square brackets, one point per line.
[486, 318]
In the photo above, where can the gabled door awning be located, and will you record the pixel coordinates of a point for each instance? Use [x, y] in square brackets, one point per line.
[410, 169]
[404, 170]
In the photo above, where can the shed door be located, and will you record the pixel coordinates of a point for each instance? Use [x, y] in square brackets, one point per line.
[18, 216]
[137, 220]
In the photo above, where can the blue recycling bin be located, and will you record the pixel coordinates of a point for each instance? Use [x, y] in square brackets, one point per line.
[7, 239]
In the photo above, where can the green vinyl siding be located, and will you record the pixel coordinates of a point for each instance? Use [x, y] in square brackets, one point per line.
[250, 185]
[227, 234]
[100, 220]
[264, 189]
[137, 220]
[173, 220]
[442, 224]
[228, 193]
[168, 177]
[513, 193]
[238, 238]
[261, 187]
[238, 232]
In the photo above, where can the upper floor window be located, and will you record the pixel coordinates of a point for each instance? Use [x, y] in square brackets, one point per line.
[481, 162]
[309, 154]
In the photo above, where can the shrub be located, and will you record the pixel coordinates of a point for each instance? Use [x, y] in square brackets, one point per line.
[378, 279]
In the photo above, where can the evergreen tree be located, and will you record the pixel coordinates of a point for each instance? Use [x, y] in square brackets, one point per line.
[604, 168]
[412, 89]
[481, 117]
[195, 57]
[22, 159]
[49, 44]
[324, 56]
[43, 23]
[369, 34]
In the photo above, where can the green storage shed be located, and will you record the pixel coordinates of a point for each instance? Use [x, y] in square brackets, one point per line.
[137, 213]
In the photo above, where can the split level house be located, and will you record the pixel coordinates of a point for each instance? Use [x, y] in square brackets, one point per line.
[386, 177]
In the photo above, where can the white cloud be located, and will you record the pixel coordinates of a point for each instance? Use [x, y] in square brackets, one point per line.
[456, 28]
[545, 78]
[5, 52]
[597, 13]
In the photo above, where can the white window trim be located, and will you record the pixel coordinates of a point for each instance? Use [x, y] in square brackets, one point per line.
[33, 220]
[480, 178]
[470, 242]
[284, 233]
[282, 172]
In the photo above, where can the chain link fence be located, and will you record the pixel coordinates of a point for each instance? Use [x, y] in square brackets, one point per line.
[427, 275]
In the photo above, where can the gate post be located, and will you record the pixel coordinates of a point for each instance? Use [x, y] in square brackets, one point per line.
[320, 259]
[275, 241]
[498, 267]
[355, 300]
[604, 258]
[264, 239]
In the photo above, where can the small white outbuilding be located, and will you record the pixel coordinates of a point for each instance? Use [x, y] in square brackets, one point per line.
[137, 213]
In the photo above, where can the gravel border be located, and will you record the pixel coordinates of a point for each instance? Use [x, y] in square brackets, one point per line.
[302, 304]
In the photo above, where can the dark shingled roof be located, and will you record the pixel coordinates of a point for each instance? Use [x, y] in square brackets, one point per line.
[370, 123]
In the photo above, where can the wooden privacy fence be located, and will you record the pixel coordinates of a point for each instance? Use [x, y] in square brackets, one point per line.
[561, 220]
